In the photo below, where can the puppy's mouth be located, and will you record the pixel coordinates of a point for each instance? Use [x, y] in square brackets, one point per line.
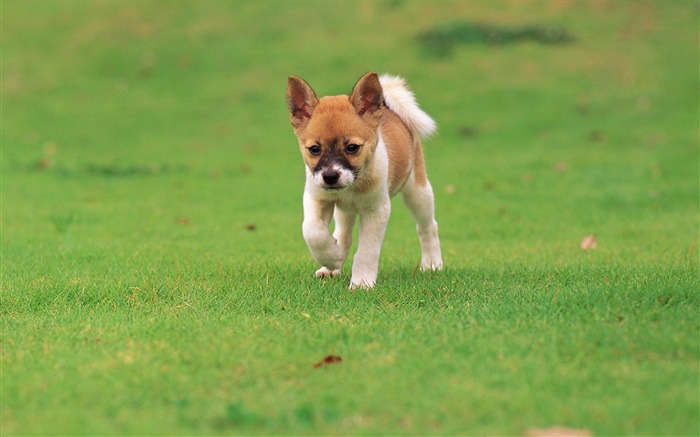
[332, 188]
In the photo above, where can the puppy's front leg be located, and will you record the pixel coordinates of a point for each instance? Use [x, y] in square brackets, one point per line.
[323, 247]
[372, 229]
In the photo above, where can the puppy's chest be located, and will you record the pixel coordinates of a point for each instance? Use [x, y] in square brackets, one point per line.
[358, 204]
[355, 202]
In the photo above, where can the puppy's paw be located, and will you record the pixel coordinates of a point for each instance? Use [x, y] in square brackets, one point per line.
[431, 265]
[361, 285]
[325, 272]
[363, 276]
[331, 257]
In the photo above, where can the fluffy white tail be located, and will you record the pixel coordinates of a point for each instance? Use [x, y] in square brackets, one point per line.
[400, 99]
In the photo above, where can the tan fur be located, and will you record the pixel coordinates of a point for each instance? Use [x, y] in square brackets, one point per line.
[334, 117]
[400, 147]
[421, 177]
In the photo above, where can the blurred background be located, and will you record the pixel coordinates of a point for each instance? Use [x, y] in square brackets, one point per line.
[166, 121]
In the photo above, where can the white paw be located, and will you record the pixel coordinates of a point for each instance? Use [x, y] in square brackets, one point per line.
[361, 285]
[325, 272]
[363, 279]
[431, 265]
[363, 276]
[330, 257]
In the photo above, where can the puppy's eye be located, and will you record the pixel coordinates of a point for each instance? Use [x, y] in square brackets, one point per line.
[314, 150]
[352, 148]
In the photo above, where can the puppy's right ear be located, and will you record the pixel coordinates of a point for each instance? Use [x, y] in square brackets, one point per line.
[301, 101]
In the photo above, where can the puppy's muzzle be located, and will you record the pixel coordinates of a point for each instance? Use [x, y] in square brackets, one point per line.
[333, 177]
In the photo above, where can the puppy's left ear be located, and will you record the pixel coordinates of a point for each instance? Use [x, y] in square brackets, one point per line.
[301, 101]
[367, 96]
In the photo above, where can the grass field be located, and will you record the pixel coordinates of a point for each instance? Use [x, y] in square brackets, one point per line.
[154, 277]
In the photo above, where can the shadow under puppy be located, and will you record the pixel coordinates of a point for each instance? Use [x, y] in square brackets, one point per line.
[359, 151]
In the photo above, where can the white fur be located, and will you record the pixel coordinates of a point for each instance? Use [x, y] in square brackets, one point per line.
[401, 100]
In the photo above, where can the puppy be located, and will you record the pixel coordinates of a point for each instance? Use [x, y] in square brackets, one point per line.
[359, 151]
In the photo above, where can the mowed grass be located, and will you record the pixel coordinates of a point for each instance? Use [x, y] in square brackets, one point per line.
[154, 277]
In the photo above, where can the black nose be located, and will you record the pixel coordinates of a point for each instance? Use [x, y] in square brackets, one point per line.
[330, 177]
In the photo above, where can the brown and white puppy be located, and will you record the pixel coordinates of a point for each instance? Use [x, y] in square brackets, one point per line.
[359, 151]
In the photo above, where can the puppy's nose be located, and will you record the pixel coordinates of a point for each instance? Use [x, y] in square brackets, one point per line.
[330, 177]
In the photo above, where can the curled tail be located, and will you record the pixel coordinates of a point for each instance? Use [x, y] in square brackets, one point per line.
[400, 99]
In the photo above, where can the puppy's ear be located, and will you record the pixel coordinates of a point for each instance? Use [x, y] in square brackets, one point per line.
[367, 96]
[301, 101]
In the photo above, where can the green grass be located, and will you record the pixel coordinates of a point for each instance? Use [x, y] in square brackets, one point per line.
[154, 277]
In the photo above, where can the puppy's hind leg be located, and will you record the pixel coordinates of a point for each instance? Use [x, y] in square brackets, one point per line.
[418, 197]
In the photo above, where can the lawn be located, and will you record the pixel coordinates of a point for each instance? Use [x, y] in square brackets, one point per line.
[154, 276]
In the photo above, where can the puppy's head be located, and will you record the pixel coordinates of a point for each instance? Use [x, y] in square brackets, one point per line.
[338, 134]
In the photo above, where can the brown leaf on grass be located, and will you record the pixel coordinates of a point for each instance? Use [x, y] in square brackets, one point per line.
[560, 167]
[558, 431]
[597, 137]
[45, 163]
[328, 360]
[589, 242]
[184, 221]
[664, 300]
[48, 159]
